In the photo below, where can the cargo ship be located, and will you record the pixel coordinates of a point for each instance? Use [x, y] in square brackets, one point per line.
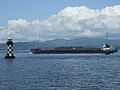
[105, 49]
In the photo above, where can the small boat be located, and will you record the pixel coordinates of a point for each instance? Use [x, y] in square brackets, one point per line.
[106, 49]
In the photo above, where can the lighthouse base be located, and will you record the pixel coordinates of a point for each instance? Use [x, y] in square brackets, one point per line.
[9, 57]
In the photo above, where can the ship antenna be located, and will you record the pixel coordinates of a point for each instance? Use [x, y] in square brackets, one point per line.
[106, 36]
[36, 42]
[106, 39]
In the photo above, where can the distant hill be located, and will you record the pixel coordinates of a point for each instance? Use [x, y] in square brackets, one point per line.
[84, 42]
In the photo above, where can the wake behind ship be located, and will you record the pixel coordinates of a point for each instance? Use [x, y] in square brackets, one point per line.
[105, 49]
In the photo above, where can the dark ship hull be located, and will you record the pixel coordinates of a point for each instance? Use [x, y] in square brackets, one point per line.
[55, 51]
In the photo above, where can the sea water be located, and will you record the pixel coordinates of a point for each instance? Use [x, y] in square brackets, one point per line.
[60, 71]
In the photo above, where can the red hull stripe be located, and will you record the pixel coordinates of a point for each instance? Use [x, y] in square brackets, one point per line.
[58, 51]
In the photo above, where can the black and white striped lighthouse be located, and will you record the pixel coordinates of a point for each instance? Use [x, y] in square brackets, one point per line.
[9, 52]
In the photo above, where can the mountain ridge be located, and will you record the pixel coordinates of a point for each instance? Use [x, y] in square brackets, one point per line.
[84, 42]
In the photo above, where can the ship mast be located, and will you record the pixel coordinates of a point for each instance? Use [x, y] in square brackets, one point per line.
[106, 38]
[106, 34]
[36, 37]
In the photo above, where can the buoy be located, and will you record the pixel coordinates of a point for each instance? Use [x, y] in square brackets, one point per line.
[9, 52]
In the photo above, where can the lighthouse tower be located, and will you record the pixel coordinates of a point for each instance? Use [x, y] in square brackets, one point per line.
[9, 52]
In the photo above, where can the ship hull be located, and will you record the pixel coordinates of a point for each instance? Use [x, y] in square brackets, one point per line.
[40, 51]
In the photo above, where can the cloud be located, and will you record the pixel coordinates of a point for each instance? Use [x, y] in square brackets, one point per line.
[1, 28]
[18, 23]
[71, 22]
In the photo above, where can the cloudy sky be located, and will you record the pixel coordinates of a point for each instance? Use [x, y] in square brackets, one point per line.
[30, 20]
